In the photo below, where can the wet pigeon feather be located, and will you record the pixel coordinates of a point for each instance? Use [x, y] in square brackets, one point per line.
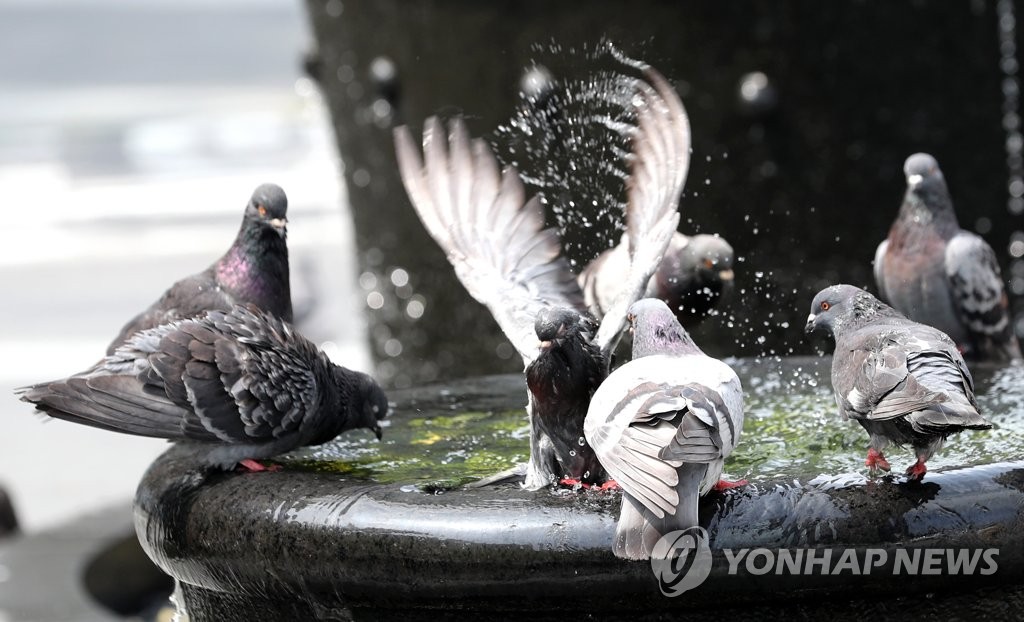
[904, 382]
[495, 239]
[237, 384]
[662, 425]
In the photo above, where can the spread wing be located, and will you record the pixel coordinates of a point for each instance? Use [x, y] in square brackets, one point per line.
[659, 162]
[493, 237]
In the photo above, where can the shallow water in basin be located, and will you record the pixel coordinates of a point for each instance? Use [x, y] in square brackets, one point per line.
[443, 436]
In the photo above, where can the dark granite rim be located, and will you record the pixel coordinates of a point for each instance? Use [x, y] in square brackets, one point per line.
[341, 542]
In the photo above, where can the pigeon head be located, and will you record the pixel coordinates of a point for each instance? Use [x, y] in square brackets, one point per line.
[368, 405]
[656, 330]
[843, 307]
[713, 258]
[269, 208]
[925, 182]
[555, 324]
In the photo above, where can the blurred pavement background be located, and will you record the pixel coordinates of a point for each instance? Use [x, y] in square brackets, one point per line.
[131, 136]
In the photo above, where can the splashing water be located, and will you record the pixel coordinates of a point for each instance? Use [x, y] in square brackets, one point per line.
[569, 138]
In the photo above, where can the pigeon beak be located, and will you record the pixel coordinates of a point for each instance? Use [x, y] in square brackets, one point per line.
[544, 345]
[810, 326]
[280, 225]
[725, 275]
[378, 432]
[914, 180]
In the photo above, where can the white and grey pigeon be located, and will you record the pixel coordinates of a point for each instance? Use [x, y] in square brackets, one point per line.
[496, 241]
[904, 382]
[938, 274]
[253, 270]
[663, 425]
[695, 274]
[235, 386]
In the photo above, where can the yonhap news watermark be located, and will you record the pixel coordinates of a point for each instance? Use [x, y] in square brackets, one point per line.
[682, 561]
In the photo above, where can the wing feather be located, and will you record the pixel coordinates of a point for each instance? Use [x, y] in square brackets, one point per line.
[659, 163]
[493, 237]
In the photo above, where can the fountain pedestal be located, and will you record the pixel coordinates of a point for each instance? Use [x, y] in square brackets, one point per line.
[308, 544]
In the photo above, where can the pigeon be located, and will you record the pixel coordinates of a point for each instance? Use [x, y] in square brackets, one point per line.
[695, 274]
[938, 274]
[254, 270]
[663, 425]
[237, 386]
[496, 241]
[905, 382]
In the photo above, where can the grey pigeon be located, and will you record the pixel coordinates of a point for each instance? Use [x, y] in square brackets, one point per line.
[237, 386]
[938, 274]
[695, 274]
[663, 425]
[905, 382]
[254, 270]
[495, 239]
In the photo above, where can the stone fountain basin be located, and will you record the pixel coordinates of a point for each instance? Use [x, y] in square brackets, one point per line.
[306, 543]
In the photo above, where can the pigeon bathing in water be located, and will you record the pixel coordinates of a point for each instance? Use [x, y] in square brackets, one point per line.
[905, 382]
[254, 270]
[695, 274]
[938, 274]
[236, 386]
[663, 425]
[495, 239]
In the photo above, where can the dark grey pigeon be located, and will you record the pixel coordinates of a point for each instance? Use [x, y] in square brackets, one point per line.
[663, 425]
[695, 274]
[938, 274]
[236, 386]
[495, 239]
[905, 382]
[254, 270]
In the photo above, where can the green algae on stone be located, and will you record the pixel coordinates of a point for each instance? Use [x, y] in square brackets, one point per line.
[454, 435]
[432, 450]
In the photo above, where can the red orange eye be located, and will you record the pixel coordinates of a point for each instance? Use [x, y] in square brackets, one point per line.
[262, 210]
[708, 263]
[825, 306]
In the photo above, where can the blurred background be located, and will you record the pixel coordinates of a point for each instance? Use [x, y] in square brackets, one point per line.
[132, 134]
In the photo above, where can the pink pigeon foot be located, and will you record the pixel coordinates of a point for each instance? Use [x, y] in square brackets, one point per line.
[725, 484]
[916, 471]
[252, 466]
[876, 460]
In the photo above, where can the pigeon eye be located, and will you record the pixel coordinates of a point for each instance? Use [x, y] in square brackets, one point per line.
[708, 263]
[825, 306]
[262, 210]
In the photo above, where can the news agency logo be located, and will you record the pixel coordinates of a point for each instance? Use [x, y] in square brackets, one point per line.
[681, 560]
